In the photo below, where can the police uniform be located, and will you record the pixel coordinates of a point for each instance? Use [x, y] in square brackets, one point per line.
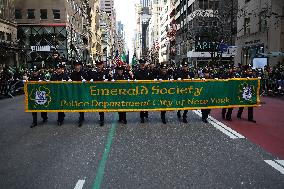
[227, 112]
[246, 74]
[164, 75]
[205, 112]
[36, 77]
[183, 73]
[59, 76]
[120, 75]
[142, 74]
[78, 75]
[99, 75]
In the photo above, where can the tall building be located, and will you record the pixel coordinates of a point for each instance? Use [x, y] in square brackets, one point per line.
[260, 31]
[107, 6]
[96, 42]
[8, 34]
[204, 27]
[121, 47]
[138, 31]
[46, 27]
[166, 41]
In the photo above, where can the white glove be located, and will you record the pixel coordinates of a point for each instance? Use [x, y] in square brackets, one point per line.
[70, 80]
[179, 79]
[112, 80]
[91, 80]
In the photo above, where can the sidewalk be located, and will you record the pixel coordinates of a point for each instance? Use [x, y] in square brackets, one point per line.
[268, 132]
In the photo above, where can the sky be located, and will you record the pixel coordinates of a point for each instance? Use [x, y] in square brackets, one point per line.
[125, 12]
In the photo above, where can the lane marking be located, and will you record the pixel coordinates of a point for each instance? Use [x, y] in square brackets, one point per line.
[281, 162]
[275, 165]
[101, 168]
[220, 126]
[80, 184]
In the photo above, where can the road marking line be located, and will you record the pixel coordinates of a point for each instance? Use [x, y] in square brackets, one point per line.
[220, 126]
[101, 168]
[275, 165]
[226, 127]
[80, 184]
[281, 162]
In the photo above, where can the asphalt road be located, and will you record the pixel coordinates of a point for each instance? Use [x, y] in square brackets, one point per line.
[150, 155]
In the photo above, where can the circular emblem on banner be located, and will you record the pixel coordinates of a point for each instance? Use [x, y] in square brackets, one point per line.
[246, 92]
[41, 96]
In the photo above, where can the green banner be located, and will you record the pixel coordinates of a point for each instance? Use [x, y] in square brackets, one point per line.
[141, 95]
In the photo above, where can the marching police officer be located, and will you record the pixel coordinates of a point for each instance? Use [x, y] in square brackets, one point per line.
[205, 112]
[164, 75]
[120, 75]
[247, 74]
[183, 73]
[227, 112]
[59, 75]
[79, 75]
[100, 74]
[36, 76]
[142, 74]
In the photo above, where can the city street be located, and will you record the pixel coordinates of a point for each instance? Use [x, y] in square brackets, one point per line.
[149, 155]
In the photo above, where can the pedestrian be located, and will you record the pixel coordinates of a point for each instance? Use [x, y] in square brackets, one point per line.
[142, 74]
[59, 75]
[37, 77]
[247, 74]
[100, 74]
[205, 112]
[182, 73]
[79, 75]
[164, 75]
[120, 75]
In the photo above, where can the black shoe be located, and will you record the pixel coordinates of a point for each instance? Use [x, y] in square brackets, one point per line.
[44, 120]
[164, 121]
[178, 114]
[252, 120]
[33, 125]
[102, 123]
[184, 120]
[80, 123]
[142, 120]
[205, 120]
[239, 117]
[124, 122]
[229, 119]
[59, 123]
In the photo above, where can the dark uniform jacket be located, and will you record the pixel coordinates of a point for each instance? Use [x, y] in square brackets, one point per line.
[78, 76]
[153, 73]
[99, 75]
[166, 76]
[59, 77]
[120, 77]
[141, 74]
[182, 74]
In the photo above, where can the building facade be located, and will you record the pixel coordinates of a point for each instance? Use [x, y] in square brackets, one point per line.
[46, 27]
[166, 41]
[8, 35]
[260, 31]
[96, 36]
[108, 23]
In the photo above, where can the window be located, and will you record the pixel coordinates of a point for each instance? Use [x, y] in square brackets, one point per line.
[247, 26]
[43, 14]
[18, 14]
[262, 22]
[31, 13]
[2, 36]
[56, 14]
[9, 36]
